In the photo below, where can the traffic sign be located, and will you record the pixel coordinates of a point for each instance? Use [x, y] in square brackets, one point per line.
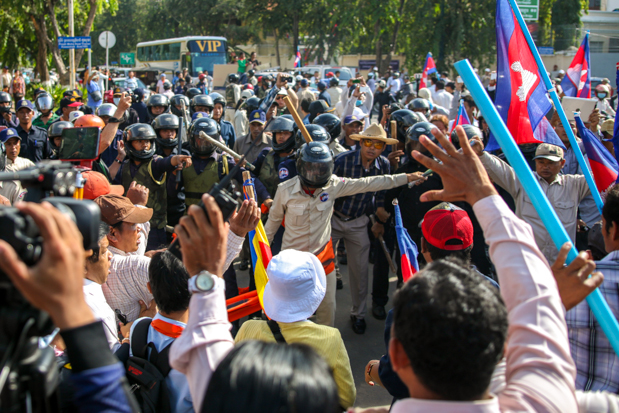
[529, 9]
[107, 39]
[127, 59]
[81, 42]
[546, 50]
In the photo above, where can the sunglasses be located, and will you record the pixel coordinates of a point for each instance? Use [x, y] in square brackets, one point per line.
[377, 144]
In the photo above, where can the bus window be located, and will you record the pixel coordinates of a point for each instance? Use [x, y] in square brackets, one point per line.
[175, 51]
[205, 61]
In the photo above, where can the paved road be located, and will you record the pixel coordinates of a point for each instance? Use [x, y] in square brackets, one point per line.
[361, 348]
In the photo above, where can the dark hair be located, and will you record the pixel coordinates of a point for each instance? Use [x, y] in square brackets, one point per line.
[469, 99]
[440, 85]
[305, 104]
[437, 253]
[103, 230]
[257, 377]
[169, 282]
[452, 327]
[451, 85]
[610, 212]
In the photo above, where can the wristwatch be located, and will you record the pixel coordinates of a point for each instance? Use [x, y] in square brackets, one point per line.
[112, 119]
[202, 282]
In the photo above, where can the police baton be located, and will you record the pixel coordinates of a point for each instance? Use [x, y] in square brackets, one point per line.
[224, 148]
[394, 269]
[181, 131]
[297, 119]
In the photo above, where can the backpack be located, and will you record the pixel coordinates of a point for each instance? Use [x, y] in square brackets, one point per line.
[230, 96]
[146, 374]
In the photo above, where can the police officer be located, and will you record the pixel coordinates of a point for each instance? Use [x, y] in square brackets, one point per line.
[241, 117]
[420, 105]
[156, 105]
[333, 125]
[201, 103]
[193, 91]
[166, 127]
[233, 94]
[8, 119]
[306, 202]
[317, 133]
[139, 106]
[54, 134]
[226, 130]
[45, 105]
[35, 145]
[131, 116]
[146, 168]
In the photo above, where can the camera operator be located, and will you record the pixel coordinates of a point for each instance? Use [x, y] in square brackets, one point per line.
[12, 142]
[55, 285]
[8, 118]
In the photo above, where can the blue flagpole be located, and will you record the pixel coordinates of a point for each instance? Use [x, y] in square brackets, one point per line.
[557, 232]
[555, 99]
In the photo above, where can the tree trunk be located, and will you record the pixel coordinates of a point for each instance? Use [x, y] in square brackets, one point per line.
[40, 28]
[394, 38]
[295, 32]
[379, 47]
[87, 28]
[279, 60]
[63, 74]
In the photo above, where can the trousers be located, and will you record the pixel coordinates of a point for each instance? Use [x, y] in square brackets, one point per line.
[325, 314]
[355, 235]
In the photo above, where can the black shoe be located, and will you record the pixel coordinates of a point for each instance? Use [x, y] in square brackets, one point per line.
[343, 260]
[340, 284]
[358, 324]
[378, 311]
[244, 265]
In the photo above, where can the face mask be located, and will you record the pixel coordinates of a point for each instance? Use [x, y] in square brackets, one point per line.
[359, 103]
[602, 95]
[116, 101]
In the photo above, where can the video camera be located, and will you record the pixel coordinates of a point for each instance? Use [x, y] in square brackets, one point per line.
[32, 377]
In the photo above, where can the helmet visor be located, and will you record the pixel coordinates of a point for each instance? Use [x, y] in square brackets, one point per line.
[45, 102]
[202, 145]
[316, 173]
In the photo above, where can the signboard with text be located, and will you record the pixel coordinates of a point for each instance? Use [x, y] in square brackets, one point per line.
[529, 9]
[370, 64]
[80, 42]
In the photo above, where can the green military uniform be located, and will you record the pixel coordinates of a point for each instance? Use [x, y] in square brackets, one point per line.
[196, 185]
[157, 197]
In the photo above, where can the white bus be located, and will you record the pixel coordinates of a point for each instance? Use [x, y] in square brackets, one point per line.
[196, 53]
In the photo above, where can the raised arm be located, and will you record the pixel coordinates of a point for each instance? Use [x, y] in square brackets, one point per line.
[109, 132]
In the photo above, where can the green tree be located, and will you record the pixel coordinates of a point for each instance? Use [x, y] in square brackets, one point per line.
[566, 16]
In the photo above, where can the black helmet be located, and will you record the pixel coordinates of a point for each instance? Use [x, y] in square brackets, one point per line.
[316, 108]
[2, 157]
[55, 130]
[107, 109]
[44, 102]
[166, 121]
[414, 133]
[157, 100]
[316, 132]
[198, 145]
[314, 164]
[420, 105]
[5, 97]
[201, 100]
[281, 124]
[251, 104]
[138, 132]
[471, 132]
[176, 101]
[331, 123]
[191, 92]
[167, 85]
[217, 98]
[233, 78]
[251, 72]
[405, 118]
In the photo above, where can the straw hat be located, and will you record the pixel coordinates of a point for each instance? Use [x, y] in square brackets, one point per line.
[375, 131]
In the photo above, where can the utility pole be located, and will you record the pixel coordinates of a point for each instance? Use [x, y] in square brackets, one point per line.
[71, 51]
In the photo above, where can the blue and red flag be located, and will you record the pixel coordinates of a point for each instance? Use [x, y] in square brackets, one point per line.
[521, 97]
[616, 128]
[408, 248]
[461, 119]
[428, 68]
[259, 246]
[603, 165]
[297, 59]
[577, 80]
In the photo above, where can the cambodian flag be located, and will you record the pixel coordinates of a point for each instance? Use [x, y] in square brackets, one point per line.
[521, 97]
[259, 246]
[577, 80]
[428, 68]
[461, 119]
[603, 166]
[297, 59]
[408, 248]
[616, 128]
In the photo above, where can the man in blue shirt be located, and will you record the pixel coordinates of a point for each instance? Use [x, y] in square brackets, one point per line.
[95, 94]
[323, 95]
[349, 222]
[34, 143]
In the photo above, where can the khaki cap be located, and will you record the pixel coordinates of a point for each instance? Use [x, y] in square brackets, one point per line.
[117, 208]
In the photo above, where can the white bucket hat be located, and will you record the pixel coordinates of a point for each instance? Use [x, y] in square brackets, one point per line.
[296, 287]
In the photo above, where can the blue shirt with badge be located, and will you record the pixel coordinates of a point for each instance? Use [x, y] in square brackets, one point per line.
[226, 131]
[34, 142]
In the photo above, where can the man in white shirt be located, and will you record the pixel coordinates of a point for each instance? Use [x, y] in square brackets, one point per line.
[441, 96]
[160, 88]
[394, 83]
[12, 143]
[131, 82]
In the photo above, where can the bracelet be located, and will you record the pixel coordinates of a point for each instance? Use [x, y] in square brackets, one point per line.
[118, 160]
[378, 220]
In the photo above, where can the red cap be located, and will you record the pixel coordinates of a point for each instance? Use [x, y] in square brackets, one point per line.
[97, 185]
[201, 76]
[329, 74]
[446, 222]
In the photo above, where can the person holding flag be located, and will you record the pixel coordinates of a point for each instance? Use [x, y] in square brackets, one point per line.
[461, 119]
[428, 68]
[577, 81]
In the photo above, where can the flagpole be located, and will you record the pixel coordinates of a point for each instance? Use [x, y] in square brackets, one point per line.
[546, 212]
[555, 99]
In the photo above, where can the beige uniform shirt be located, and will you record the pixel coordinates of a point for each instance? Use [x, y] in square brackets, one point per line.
[336, 148]
[308, 218]
[19, 164]
[242, 145]
[12, 191]
[564, 193]
[305, 94]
